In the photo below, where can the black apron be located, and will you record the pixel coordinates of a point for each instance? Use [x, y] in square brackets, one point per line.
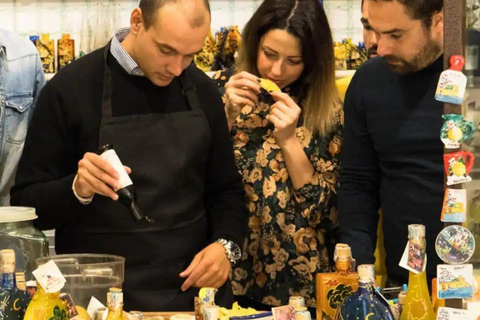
[168, 155]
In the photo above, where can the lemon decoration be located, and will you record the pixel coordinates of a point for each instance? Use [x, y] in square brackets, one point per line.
[269, 85]
[455, 134]
[458, 169]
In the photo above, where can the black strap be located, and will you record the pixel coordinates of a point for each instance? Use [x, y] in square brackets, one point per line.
[189, 91]
[107, 87]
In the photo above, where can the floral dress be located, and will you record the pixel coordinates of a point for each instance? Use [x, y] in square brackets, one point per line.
[291, 232]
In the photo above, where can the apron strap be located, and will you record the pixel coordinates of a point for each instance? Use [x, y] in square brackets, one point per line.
[107, 88]
[189, 91]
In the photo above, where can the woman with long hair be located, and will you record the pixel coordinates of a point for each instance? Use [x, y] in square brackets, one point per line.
[287, 146]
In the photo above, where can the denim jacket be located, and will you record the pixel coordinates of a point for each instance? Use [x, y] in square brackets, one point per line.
[21, 79]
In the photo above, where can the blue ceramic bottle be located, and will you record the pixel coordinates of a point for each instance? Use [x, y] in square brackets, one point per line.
[367, 303]
[13, 302]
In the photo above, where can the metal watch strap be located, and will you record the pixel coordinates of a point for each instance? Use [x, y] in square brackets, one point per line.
[231, 249]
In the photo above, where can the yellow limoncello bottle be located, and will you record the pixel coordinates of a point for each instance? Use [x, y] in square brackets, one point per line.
[46, 306]
[418, 305]
[115, 304]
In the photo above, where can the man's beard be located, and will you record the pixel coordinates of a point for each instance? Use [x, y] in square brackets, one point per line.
[425, 57]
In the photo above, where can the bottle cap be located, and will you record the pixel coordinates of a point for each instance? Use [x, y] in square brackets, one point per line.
[366, 271]
[416, 231]
[342, 252]
[17, 214]
[457, 62]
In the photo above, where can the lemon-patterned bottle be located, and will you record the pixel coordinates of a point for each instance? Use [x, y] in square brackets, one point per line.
[46, 306]
[115, 304]
[418, 305]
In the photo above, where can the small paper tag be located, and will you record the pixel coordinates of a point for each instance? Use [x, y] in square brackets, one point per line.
[283, 313]
[50, 277]
[71, 309]
[93, 307]
[455, 282]
[453, 314]
[454, 205]
[413, 258]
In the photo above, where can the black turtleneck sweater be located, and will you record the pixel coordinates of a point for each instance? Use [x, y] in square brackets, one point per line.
[393, 160]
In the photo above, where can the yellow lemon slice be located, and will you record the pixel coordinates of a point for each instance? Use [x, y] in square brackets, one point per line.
[455, 134]
[458, 169]
[269, 85]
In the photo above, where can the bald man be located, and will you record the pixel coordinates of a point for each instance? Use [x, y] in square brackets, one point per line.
[166, 121]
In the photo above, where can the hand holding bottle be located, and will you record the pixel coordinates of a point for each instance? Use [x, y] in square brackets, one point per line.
[97, 176]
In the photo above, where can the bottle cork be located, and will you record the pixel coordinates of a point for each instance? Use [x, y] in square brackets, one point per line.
[7, 257]
[115, 297]
[343, 257]
[416, 231]
[401, 297]
[366, 272]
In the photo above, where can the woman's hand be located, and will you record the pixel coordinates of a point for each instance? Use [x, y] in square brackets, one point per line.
[284, 115]
[241, 90]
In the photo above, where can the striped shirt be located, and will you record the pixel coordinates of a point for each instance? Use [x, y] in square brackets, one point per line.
[122, 56]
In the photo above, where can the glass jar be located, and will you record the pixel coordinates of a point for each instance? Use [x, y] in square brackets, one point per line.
[18, 233]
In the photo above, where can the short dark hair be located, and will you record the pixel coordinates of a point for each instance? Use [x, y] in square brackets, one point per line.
[150, 7]
[421, 9]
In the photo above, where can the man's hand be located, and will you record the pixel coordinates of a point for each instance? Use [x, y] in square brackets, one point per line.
[95, 175]
[209, 268]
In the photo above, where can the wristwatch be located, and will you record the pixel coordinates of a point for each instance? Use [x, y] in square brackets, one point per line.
[231, 249]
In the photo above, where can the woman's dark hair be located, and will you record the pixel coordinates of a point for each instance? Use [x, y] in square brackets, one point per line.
[307, 21]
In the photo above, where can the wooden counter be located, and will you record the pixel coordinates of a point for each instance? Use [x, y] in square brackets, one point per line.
[165, 315]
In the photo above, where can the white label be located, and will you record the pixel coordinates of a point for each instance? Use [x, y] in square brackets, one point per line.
[111, 157]
[453, 314]
[50, 277]
[93, 307]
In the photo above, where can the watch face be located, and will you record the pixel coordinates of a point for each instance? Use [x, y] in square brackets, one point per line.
[237, 254]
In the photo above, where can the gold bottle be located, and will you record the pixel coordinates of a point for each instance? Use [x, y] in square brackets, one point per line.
[418, 305]
[334, 288]
[115, 304]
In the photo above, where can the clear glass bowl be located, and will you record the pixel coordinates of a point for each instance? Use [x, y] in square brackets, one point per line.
[89, 275]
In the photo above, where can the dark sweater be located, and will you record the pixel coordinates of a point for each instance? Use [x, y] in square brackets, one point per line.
[393, 159]
[66, 125]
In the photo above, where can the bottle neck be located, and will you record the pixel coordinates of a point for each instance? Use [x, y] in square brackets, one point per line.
[41, 291]
[115, 310]
[343, 266]
[365, 284]
[9, 280]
